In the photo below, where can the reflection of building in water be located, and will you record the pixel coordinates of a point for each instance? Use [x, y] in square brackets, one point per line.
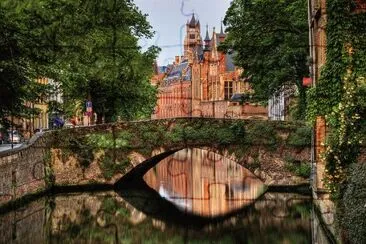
[204, 183]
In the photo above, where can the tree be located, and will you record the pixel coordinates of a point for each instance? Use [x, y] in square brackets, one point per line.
[17, 72]
[90, 48]
[270, 41]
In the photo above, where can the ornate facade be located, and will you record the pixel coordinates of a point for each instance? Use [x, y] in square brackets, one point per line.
[203, 82]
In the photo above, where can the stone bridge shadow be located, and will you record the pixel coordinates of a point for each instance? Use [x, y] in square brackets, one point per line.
[105, 153]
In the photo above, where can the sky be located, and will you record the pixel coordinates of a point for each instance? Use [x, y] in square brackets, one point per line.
[168, 19]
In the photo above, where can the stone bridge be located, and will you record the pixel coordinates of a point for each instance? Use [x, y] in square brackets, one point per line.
[103, 154]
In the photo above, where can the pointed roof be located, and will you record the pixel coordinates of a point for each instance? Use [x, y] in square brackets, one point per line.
[214, 38]
[192, 23]
[222, 34]
[207, 38]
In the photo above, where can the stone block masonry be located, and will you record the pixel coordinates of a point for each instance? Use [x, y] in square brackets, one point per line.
[103, 154]
[22, 171]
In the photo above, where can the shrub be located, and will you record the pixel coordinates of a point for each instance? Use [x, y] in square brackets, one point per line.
[353, 202]
[300, 138]
[261, 133]
[302, 169]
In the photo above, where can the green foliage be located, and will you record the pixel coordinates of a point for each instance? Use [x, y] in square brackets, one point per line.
[302, 169]
[201, 133]
[261, 133]
[18, 70]
[110, 167]
[116, 142]
[106, 140]
[340, 93]
[49, 175]
[81, 150]
[270, 41]
[301, 137]
[151, 135]
[91, 49]
[238, 129]
[353, 210]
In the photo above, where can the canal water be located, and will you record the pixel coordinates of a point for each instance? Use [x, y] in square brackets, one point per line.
[192, 196]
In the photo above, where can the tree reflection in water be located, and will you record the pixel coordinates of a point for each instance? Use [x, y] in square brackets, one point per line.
[228, 210]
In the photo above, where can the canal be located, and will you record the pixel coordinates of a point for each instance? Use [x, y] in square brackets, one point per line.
[192, 196]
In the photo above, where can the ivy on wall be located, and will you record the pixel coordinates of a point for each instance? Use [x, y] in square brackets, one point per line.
[340, 93]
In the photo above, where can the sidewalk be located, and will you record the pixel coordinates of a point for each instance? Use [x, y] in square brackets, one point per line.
[6, 147]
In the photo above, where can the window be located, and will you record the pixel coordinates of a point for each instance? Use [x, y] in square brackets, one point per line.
[192, 36]
[228, 89]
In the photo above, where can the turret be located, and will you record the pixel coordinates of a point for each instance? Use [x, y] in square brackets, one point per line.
[193, 40]
[222, 35]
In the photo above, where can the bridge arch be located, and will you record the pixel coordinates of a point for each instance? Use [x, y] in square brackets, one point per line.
[103, 154]
[106, 153]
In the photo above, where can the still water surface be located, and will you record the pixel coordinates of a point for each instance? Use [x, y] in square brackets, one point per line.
[193, 196]
[204, 183]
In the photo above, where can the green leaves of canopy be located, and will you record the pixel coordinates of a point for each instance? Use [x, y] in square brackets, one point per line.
[91, 47]
[270, 41]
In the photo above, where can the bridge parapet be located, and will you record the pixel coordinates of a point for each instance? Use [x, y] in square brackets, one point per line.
[105, 153]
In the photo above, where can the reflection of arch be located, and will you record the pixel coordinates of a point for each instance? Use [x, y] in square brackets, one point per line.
[213, 156]
[143, 167]
[239, 186]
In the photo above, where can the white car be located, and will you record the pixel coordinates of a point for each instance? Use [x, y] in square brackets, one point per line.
[15, 137]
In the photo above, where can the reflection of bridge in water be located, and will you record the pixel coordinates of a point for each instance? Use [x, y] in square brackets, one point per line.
[110, 217]
[204, 183]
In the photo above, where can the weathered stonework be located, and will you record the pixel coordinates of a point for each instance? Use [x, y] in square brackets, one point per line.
[105, 153]
[270, 166]
[22, 171]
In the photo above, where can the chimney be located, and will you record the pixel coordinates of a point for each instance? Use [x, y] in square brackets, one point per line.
[177, 59]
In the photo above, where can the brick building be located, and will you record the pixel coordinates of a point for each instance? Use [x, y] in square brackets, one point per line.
[203, 82]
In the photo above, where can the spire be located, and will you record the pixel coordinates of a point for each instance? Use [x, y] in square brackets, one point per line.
[192, 23]
[213, 40]
[207, 38]
[222, 30]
